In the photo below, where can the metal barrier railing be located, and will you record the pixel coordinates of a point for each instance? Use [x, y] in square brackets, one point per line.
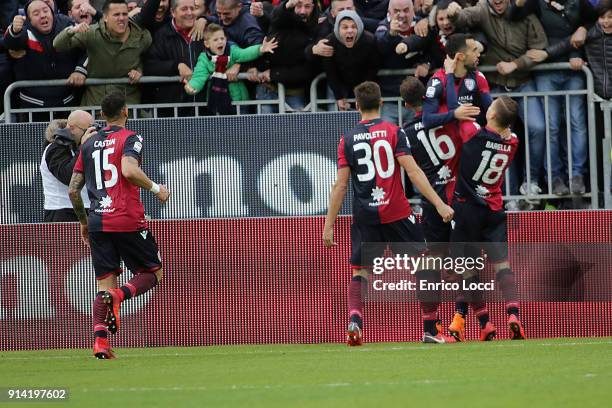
[151, 110]
[606, 107]
[137, 109]
[590, 120]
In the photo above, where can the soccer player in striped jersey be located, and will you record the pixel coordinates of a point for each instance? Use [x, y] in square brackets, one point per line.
[115, 229]
[486, 153]
[372, 155]
[456, 92]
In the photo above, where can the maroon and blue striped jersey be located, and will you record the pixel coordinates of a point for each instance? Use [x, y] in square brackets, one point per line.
[438, 106]
[437, 152]
[115, 202]
[485, 156]
[370, 150]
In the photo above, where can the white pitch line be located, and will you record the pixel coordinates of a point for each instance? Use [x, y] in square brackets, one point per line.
[239, 387]
[365, 349]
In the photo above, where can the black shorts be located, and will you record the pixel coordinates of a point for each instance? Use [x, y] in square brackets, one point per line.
[437, 232]
[476, 223]
[138, 250]
[405, 237]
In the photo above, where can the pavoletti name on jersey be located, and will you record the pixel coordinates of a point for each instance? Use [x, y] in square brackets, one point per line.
[369, 136]
[499, 146]
[104, 143]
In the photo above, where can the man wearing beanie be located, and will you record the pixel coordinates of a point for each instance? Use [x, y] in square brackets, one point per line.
[355, 58]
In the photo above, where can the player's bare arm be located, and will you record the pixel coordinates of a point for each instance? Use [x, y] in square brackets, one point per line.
[130, 169]
[336, 198]
[420, 181]
[74, 192]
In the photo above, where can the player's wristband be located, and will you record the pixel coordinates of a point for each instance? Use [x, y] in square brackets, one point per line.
[154, 188]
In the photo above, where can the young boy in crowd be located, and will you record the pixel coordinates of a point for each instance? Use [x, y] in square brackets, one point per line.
[213, 64]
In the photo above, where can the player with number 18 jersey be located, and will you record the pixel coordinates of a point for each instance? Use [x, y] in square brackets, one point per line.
[486, 154]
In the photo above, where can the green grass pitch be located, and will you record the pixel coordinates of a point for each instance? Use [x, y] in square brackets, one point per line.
[535, 373]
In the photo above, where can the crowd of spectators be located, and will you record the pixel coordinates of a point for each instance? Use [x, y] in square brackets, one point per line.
[349, 40]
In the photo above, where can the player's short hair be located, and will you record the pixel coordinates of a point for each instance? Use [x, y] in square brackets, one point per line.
[210, 30]
[112, 104]
[368, 96]
[603, 7]
[412, 91]
[108, 3]
[456, 43]
[506, 111]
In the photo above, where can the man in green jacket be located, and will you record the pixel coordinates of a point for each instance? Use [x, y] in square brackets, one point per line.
[114, 47]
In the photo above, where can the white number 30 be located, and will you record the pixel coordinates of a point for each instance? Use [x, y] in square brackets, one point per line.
[375, 167]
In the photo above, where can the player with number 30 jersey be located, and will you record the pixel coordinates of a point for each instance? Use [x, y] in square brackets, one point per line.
[371, 156]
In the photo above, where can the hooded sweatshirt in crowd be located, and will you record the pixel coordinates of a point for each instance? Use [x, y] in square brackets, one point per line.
[348, 67]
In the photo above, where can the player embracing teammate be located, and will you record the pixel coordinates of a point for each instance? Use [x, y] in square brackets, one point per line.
[109, 165]
[447, 142]
[464, 163]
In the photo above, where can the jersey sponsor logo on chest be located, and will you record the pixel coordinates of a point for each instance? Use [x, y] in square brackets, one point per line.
[378, 194]
[465, 99]
[498, 146]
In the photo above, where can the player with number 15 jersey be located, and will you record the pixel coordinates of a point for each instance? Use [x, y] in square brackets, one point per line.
[109, 164]
[115, 202]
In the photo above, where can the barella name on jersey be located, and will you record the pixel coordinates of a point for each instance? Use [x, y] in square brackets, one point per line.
[498, 146]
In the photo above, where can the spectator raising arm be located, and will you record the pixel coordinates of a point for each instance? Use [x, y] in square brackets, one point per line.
[536, 40]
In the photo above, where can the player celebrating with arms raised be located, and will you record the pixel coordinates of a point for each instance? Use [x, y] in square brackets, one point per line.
[109, 164]
[471, 86]
[456, 92]
[372, 155]
[480, 217]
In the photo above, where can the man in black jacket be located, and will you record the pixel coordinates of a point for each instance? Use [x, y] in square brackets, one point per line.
[62, 141]
[294, 23]
[560, 19]
[175, 53]
[34, 34]
[397, 25]
[321, 47]
[355, 58]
